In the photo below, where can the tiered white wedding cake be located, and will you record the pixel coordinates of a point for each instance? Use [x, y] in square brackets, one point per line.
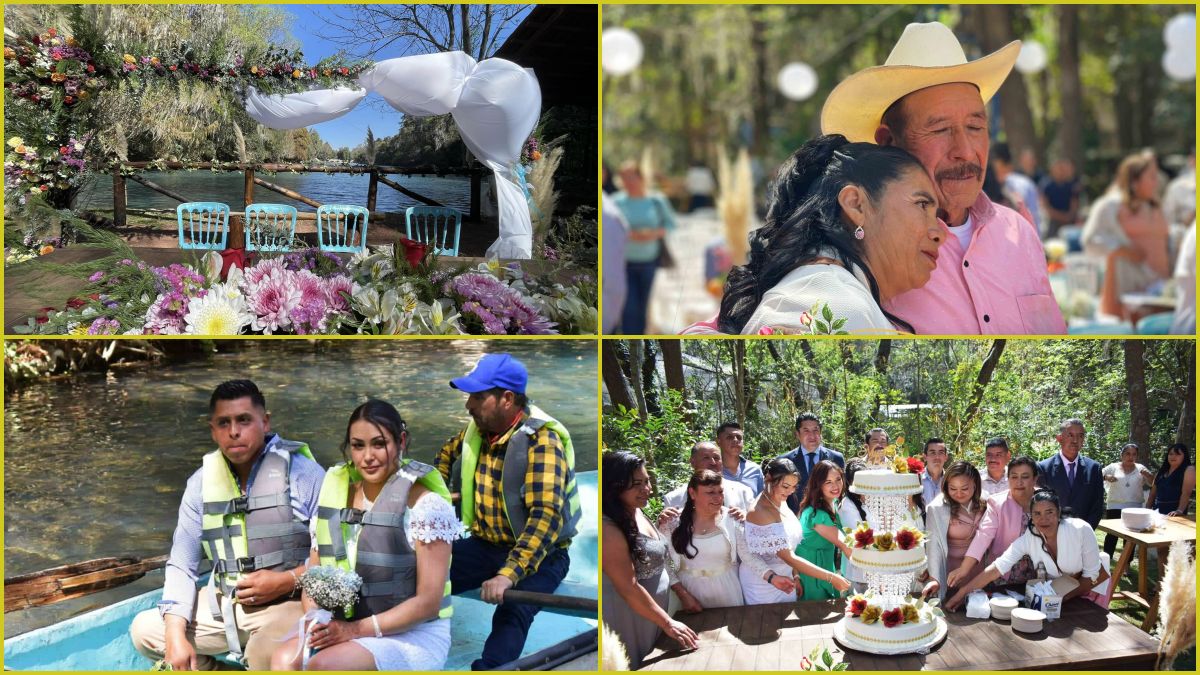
[887, 619]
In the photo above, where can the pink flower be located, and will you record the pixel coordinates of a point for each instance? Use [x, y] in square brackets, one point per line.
[337, 290]
[272, 301]
[806, 319]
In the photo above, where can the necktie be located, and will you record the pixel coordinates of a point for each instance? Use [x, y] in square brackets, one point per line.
[1071, 473]
[809, 457]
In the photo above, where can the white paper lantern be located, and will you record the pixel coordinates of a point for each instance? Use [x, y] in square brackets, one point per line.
[1180, 31]
[797, 81]
[1180, 64]
[1032, 57]
[621, 51]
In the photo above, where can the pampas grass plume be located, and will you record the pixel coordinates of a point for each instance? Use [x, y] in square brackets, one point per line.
[613, 655]
[1177, 605]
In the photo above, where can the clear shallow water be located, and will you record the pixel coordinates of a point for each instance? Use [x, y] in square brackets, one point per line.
[95, 466]
[335, 188]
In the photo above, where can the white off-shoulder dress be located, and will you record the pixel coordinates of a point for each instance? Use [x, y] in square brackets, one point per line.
[764, 542]
[424, 646]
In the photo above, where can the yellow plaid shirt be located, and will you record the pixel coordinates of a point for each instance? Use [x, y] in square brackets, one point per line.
[545, 497]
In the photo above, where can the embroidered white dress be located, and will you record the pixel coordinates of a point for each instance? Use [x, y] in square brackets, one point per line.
[424, 646]
[764, 542]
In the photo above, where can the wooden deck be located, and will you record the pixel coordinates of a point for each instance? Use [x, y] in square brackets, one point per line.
[776, 637]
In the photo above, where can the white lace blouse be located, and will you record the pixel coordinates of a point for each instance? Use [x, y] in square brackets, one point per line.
[430, 519]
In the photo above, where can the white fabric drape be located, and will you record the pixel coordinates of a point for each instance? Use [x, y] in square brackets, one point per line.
[307, 108]
[495, 104]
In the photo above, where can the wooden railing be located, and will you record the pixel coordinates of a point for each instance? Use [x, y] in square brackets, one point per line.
[378, 174]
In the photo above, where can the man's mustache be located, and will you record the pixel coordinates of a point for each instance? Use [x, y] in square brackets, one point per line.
[964, 170]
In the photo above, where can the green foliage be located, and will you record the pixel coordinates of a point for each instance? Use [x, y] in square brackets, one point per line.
[925, 390]
[663, 440]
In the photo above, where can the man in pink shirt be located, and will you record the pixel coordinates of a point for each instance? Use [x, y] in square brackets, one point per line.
[1003, 522]
[927, 99]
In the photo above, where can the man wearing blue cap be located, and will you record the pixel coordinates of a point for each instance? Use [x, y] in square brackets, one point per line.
[516, 467]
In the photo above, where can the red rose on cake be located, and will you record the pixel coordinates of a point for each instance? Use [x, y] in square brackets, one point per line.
[893, 617]
[858, 604]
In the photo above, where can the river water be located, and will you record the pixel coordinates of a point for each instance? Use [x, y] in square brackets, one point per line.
[95, 466]
[334, 188]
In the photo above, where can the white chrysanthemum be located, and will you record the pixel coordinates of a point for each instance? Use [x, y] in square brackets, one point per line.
[219, 312]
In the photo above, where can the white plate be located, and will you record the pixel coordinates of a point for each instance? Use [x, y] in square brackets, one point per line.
[839, 634]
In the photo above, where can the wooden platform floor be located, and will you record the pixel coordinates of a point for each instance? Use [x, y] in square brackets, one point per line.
[776, 637]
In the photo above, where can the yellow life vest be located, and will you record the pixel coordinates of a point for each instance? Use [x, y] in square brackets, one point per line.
[516, 461]
[255, 531]
[380, 554]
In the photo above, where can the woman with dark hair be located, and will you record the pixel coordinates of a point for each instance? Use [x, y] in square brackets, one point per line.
[1003, 522]
[1174, 483]
[822, 530]
[399, 510]
[1126, 481]
[848, 225]
[771, 533]
[952, 519]
[635, 561]
[703, 550]
[852, 512]
[1065, 546]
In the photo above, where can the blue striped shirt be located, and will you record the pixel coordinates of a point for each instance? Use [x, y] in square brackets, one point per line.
[182, 571]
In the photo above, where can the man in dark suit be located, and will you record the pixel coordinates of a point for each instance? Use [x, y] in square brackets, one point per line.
[1077, 479]
[808, 453]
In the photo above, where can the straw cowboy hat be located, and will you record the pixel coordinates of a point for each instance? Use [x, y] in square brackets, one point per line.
[926, 55]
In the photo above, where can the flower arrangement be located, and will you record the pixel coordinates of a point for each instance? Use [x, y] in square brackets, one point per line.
[332, 588]
[310, 292]
[901, 464]
[868, 608]
[33, 169]
[904, 539]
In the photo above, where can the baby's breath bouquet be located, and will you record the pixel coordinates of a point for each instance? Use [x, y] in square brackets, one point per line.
[331, 588]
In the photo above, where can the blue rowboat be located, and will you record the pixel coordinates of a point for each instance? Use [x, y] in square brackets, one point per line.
[99, 640]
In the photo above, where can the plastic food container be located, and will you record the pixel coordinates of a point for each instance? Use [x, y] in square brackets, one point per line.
[1026, 620]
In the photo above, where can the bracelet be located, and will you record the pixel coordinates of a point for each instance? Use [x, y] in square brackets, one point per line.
[772, 577]
[295, 583]
[374, 620]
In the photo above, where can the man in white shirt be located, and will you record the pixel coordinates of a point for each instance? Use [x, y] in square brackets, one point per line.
[997, 456]
[706, 455]
[935, 456]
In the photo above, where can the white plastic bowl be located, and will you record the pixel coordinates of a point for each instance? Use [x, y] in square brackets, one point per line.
[1025, 620]
[1137, 518]
[1002, 607]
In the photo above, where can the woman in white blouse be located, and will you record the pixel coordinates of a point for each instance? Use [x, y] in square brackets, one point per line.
[703, 554]
[771, 533]
[1126, 481]
[1065, 546]
[405, 519]
[849, 225]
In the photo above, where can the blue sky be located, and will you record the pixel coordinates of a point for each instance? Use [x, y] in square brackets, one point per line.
[350, 129]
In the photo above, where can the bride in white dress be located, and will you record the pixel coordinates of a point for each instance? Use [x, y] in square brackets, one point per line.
[703, 550]
[771, 534]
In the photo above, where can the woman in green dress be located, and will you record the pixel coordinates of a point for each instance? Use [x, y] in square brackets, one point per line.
[822, 528]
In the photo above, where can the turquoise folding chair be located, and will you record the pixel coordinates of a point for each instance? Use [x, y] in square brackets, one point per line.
[270, 227]
[339, 225]
[432, 225]
[207, 225]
